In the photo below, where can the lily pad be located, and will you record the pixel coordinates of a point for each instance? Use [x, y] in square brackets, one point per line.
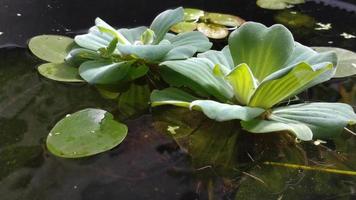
[224, 19]
[278, 4]
[60, 72]
[85, 133]
[51, 48]
[184, 27]
[192, 14]
[346, 65]
[213, 31]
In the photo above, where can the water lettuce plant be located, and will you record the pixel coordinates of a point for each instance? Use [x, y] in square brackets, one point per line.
[108, 56]
[251, 78]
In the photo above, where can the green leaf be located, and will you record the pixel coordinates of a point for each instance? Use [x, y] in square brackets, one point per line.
[222, 58]
[278, 4]
[138, 71]
[60, 72]
[106, 28]
[192, 14]
[213, 31]
[346, 65]
[192, 39]
[133, 34]
[151, 53]
[200, 72]
[180, 53]
[147, 37]
[85, 133]
[272, 92]
[301, 131]
[224, 19]
[79, 55]
[225, 112]
[243, 82]
[104, 72]
[51, 48]
[183, 27]
[264, 50]
[164, 21]
[171, 96]
[326, 120]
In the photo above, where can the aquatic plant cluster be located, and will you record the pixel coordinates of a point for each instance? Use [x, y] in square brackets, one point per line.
[253, 80]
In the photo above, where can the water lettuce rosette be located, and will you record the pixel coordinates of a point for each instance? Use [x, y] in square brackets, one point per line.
[250, 78]
[105, 55]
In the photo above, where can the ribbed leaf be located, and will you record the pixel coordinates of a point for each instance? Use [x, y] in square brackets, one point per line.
[180, 53]
[301, 131]
[225, 112]
[263, 49]
[79, 55]
[200, 71]
[326, 120]
[151, 53]
[163, 22]
[272, 92]
[223, 57]
[193, 39]
[171, 96]
[133, 34]
[104, 72]
[243, 82]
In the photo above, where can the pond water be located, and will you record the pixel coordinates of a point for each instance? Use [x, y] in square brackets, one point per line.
[149, 164]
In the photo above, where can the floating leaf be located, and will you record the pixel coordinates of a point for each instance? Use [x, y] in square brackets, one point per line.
[278, 4]
[60, 72]
[224, 19]
[51, 48]
[192, 14]
[346, 65]
[213, 30]
[183, 27]
[85, 133]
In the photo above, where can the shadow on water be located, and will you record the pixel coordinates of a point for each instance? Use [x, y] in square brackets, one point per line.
[152, 162]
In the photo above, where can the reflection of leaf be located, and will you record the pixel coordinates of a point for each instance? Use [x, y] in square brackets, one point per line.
[134, 101]
[277, 4]
[51, 48]
[84, 133]
[346, 65]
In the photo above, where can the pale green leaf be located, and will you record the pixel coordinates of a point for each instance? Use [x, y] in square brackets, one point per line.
[104, 72]
[346, 65]
[223, 58]
[225, 112]
[147, 37]
[192, 39]
[171, 96]
[79, 55]
[133, 34]
[164, 21]
[243, 82]
[85, 133]
[150, 53]
[272, 92]
[326, 120]
[180, 53]
[200, 71]
[300, 130]
[60, 72]
[192, 14]
[51, 48]
[264, 50]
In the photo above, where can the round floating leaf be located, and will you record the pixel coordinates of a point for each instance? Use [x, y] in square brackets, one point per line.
[278, 4]
[213, 31]
[51, 48]
[346, 65]
[85, 133]
[224, 19]
[192, 14]
[184, 27]
[60, 72]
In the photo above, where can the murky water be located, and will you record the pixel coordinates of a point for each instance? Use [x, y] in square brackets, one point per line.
[149, 164]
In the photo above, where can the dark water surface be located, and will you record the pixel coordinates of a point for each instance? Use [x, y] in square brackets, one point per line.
[148, 164]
